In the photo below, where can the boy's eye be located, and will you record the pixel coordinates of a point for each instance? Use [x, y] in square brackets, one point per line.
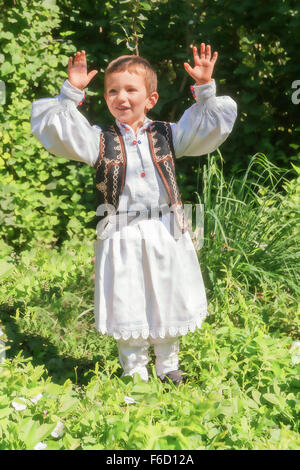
[129, 90]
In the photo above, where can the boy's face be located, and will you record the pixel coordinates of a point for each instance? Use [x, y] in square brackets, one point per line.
[127, 98]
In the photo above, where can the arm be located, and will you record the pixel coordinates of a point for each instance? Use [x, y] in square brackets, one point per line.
[61, 128]
[206, 124]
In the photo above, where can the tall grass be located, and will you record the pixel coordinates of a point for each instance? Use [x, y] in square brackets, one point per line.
[248, 227]
[251, 231]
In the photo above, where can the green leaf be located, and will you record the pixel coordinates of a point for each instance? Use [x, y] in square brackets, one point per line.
[271, 398]
[256, 396]
[51, 185]
[146, 6]
[31, 432]
[5, 269]
[6, 68]
[67, 405]
[75, 197]
[212, 432]
[67, 33]
[6, 35]
[4, 412]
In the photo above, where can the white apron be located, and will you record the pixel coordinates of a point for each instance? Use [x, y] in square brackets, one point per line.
[147, 282]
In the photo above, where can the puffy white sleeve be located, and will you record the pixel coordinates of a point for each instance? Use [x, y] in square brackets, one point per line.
[62, 129]
[206, 124]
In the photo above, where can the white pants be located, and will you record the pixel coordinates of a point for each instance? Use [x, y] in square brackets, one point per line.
[133, 355]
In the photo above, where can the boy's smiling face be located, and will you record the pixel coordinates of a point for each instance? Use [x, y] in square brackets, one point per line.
[127, 97]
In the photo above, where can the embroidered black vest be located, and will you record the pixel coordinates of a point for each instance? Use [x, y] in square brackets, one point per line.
[112, 162]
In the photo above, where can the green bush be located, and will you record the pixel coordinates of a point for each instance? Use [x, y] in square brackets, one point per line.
[43, 199]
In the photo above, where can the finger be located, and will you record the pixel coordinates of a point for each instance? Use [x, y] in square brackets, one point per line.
[92, 74]
[202, 50]
[82, 56]
[214, 58]
[208, 52]
[196, 56]
[70, 63]
[76, 58]
[189, 69]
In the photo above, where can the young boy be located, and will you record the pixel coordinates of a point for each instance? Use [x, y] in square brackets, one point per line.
[148, 284]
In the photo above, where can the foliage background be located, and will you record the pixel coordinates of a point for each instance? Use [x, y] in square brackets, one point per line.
[258, 60]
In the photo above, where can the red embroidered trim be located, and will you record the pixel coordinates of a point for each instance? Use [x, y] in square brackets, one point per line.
[80, 102]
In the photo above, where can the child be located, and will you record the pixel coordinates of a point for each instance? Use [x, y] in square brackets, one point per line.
[148, 283]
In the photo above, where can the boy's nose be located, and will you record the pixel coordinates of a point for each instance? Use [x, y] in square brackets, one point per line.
[122, 96]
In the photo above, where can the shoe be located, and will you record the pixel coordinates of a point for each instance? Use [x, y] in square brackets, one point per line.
[175, 376]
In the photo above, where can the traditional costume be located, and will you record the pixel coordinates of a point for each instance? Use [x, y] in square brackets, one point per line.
[148, 282]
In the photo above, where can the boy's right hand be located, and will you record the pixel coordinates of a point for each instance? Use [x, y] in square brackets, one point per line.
[77, 71]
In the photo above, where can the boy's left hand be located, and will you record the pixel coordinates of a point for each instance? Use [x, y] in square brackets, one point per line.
[204, 65]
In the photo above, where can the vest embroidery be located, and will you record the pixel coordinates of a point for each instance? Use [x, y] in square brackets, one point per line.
[112, 161]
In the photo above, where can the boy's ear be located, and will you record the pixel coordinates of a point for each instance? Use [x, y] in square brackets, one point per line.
[152, 100]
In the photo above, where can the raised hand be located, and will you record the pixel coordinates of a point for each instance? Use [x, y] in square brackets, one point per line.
[204, 65]
[77, 71]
